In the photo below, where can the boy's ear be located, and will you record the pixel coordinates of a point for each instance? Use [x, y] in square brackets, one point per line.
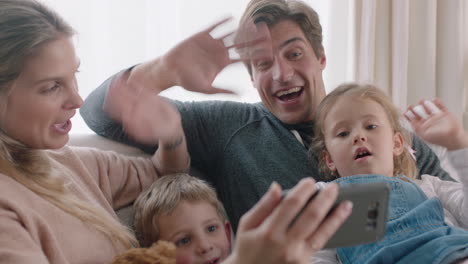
[398, 144]
[328, 160]
[227, 229]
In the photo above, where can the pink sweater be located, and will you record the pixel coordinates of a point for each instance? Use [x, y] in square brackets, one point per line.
[32, 230]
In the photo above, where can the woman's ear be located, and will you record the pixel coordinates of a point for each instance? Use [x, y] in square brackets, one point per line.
[328, 160]
[398, 144]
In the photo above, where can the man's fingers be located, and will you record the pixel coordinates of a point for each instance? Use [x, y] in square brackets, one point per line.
[253, 40]
[315, 212]
[262, 209]
[255, 55]
[212, 27]
[330, 225]
[226, 36]
[291, 205]
[250, 31]
[250, 43]
[215, 90]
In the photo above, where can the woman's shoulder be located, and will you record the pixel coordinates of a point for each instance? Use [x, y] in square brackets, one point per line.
[13, 193]
[69, 150]
[78, 154]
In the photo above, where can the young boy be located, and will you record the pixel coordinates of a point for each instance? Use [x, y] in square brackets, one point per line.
[184, 210]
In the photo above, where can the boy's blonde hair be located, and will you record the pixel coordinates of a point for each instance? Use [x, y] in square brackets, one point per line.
[403, 164]
[164, 196]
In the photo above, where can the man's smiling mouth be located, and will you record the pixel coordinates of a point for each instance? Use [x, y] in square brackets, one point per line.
[285, 95]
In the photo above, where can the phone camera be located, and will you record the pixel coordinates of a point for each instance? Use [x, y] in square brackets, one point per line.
[372, 214]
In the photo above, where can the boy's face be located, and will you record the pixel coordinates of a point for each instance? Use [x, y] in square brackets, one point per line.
[199, 233]
[359, 138]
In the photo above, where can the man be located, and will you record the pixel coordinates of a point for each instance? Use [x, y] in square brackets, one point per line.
[241, 148]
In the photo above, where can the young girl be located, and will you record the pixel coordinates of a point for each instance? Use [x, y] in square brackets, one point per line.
[360, 139]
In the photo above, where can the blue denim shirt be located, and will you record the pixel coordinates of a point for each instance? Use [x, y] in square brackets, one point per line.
[416, 231]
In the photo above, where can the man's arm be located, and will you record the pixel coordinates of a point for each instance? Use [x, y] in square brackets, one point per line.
[193, 64]
[427, 161]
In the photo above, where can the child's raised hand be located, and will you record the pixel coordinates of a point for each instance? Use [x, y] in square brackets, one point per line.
[434, 123]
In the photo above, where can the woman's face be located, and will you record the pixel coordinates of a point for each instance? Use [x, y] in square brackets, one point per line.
[43, 99]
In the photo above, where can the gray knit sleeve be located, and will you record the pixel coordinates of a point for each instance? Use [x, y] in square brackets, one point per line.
[427, 161]
[208, 126]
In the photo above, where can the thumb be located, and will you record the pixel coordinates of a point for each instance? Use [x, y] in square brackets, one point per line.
[257, 214]
[216, 90]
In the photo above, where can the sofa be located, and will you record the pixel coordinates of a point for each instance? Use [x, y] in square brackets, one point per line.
[126, 214]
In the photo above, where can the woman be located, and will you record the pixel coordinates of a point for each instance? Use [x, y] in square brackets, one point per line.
[57, 202]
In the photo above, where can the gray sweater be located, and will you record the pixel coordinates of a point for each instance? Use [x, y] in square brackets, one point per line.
[240, 148]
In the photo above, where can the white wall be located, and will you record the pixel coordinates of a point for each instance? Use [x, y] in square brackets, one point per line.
[114, 34]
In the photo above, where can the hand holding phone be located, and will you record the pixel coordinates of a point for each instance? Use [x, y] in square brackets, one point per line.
[368, 219]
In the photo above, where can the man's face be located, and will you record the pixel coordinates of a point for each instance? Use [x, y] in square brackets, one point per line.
[290, 81]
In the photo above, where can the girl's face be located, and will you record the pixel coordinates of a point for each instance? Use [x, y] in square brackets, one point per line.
[44, 97]
[359, 138]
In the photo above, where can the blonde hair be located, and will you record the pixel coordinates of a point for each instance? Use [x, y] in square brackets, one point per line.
[26, 25]
[403, 163]
[272, 12]
[164, 196]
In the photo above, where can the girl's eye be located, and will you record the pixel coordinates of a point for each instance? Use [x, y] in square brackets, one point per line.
[183, 241]
[371, 127]
[343, 134]
[212, 228]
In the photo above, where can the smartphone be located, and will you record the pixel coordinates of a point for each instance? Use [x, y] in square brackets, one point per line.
[368, 220]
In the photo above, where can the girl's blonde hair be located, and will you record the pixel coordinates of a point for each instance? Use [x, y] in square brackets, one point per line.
[26, 25]
[164, 196]
[403, 164]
